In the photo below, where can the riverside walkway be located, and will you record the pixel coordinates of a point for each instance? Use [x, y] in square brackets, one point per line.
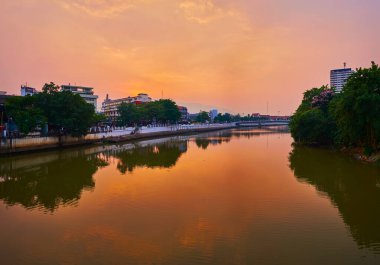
[17, 145]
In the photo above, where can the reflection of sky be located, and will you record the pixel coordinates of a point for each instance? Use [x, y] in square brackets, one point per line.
[232, 203]
[238, 55]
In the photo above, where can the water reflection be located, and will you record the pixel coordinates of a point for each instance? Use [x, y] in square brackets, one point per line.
[216, 138]
[53, 179]
[48, 181]
[353, 187]
[158, 155]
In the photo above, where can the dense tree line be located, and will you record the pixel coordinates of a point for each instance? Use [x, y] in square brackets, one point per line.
[227, 117]
[203, 117]
[350, 118]
[62, 112]
[162, 111]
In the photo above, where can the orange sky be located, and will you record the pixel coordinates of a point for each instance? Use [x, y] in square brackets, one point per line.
[234, 55]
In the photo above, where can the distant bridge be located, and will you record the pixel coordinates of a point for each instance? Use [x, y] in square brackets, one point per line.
[264, 123]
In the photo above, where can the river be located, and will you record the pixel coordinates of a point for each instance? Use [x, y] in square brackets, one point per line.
[242, 196]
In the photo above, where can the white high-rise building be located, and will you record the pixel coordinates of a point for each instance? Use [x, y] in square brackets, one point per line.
[338, 78]
[86, 93]
[213, 113]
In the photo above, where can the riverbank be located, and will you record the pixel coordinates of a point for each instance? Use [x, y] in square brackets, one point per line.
[22, 145]
[359, 154]
[356, 153]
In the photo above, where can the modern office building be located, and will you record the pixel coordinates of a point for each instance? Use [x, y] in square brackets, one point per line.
[109, 106]
[338, 78]
[86, 93]
[25, 91]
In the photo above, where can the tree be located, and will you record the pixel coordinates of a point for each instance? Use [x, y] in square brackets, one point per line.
[203, 117]
[98, 118]
[164, 110]
[358, 109]
[129, 114]
[226, 117]
[312, 122]
[24, 113]
[50, 88]
[171, 112]
[66, 112]
[153, 112]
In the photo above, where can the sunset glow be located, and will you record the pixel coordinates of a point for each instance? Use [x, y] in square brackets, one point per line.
[240, 56]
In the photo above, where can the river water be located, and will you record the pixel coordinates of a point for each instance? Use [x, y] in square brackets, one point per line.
[243, 196]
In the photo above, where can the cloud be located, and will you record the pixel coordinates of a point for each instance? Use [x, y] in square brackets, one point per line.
[203, 11]
[99, 8]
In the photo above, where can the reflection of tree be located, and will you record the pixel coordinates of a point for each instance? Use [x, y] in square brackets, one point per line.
[202, 142]
[352, 186]
[215, 138]
[160, 155]
[47, 184]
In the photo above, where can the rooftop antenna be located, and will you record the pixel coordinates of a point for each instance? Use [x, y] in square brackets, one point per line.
[344, 65]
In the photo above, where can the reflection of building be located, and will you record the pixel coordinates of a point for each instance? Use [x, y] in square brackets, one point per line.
[338, 78]
[86, 93]
[109, 106]
[184, 113]
[213, 113]
[25, 91]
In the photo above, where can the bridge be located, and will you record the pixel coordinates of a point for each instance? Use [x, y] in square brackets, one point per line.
[262, 123]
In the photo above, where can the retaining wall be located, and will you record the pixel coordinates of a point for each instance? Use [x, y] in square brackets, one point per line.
[17, 145]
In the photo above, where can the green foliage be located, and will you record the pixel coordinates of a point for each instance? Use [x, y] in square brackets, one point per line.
[63, 111]
[312, 127]
[170, 109]
[350, 118]
[358, 110]
[203, 117]
[129, 114]
[312, 122]
[222, 118]
[24, 113]
[50, 88]
[98, 117]
[163, 111]
[66, 111]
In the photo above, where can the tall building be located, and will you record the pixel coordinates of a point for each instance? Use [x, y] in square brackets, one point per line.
[338, 78]
[109, 106]
[25, 91]
[86, 93]
[213, 113]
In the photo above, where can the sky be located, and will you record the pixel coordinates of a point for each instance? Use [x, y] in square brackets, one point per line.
[241, 56]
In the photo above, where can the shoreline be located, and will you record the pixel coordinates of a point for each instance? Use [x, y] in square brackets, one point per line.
[123, 138]
[356, 153]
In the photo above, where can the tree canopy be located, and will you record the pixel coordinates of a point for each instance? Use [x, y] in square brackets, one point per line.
[203, 117]
[349, 118]
[162, 111]
[312, 122]
[358, 111]
[62, 111]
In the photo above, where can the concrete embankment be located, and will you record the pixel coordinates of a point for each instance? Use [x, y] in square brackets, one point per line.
[19, 145]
